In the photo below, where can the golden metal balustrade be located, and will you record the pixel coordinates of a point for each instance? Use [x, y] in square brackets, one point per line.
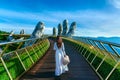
[103, 56]
[17, 56]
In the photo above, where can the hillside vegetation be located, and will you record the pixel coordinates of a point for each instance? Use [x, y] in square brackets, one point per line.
[106, 66]
[3, 37]
[26, 58]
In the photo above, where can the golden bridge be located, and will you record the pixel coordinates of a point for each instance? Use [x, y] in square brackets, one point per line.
[90, 59]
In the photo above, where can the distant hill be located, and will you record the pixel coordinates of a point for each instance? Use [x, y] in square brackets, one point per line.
[109, 39]
[3, 32]
[3, 37]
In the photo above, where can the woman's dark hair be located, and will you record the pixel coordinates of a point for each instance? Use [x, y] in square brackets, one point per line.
[59, 41]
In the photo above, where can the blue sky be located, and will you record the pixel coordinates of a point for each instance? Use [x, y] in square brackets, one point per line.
[94, 17]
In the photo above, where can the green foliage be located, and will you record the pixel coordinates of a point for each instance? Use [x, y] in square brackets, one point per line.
[3, 37]
[115, 73]
[107, 65]
[3, 32]
[10, 48]
[14, 65]
[96, 62]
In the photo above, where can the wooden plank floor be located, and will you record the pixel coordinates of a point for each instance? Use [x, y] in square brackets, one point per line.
[79, 69]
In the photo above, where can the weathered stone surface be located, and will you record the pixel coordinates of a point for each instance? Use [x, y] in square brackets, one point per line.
[65, 27]
[38, 31]
[60, 29]
[22, 31]
[71, 29]
[10, 37]
[54, 31]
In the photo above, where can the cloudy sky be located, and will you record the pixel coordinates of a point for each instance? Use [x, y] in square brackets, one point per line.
[94, 17]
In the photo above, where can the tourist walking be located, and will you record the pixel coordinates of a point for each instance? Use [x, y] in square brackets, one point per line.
[59, 54]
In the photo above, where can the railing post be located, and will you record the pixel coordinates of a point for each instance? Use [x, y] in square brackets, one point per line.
[114, 50]
[4, 50]
[29, 55]
[19, 45]
[82, 50]
[34, 52]
[15, 54]
[102, 49]
[77, 47]
[91, 47]
[88, 56]
[3, 62]
[85, 52]
[101, 63]
[108, 52]
[38, 48]
[96, 53]
[90, 52]
[6, 68]
[112, 70]
[21, 61]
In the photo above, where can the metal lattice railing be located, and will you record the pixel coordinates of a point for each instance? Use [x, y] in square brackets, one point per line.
[26, 52]
[101, 55]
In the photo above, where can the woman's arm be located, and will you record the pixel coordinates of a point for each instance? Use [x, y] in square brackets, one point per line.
[63, 48]
[55, 47]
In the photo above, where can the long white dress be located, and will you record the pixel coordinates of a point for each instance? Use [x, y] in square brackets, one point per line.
[60, 68]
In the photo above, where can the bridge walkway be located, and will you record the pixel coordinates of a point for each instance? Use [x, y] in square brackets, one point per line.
[44, 69]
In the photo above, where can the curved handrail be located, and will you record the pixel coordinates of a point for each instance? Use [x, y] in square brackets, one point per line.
[33, 45]
[105, 42]
[109, 49]
[101, 45]
[18, 41]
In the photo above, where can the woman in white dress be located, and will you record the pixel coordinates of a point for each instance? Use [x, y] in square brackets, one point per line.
[59, 53]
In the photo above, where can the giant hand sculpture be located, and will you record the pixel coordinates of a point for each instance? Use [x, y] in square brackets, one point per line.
[65, 27]
[59, 29]
[22, 31]
[54, 31]
[72, 29]
[38, 31]
[10, 37]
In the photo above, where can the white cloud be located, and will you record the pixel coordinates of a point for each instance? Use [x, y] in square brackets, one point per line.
[26, 15]
[96, 32]
[94, 23]
[28, 28]
[89, 22]
[9, 27]
[48, 30]
[115, 3]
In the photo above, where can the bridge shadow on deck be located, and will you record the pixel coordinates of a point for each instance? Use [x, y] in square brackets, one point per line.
[79, 69]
